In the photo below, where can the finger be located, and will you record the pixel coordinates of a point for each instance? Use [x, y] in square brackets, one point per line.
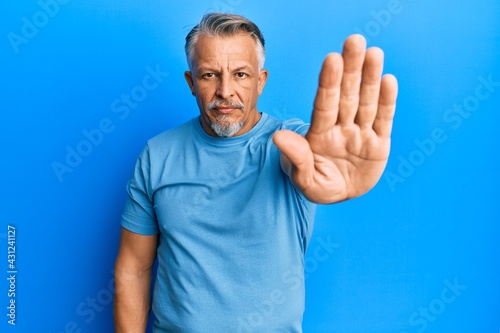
[370, 88]
[386, 106]
[354, 56]
[326, 103]
[296, 148]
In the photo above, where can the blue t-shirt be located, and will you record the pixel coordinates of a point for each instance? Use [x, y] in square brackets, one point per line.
[233, 230]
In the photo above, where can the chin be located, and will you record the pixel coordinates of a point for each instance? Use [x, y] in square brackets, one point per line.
[226, 129]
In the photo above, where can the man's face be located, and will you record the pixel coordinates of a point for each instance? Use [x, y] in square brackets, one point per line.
[226, 80]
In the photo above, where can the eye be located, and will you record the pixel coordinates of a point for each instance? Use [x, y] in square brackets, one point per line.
[208, 75]
[241, 75]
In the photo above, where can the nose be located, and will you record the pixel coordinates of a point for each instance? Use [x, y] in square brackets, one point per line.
[225, 90]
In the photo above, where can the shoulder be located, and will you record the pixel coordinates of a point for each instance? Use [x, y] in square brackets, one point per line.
[163, 145]
[293, 124]
[173, 135]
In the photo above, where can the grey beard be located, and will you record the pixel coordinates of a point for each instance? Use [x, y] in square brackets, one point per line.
[221, 126]
[225, 129]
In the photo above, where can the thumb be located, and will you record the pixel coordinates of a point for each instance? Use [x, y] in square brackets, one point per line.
[296, 148]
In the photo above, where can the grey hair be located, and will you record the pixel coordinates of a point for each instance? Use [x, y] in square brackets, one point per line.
[225, 25]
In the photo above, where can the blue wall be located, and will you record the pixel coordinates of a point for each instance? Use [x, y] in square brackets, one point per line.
[85, 83]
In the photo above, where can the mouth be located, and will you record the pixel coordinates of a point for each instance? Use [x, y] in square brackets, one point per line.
[224, 106]
[225, 109]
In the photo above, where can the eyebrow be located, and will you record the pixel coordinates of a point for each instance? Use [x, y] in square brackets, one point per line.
[238, 69]
[244, 68]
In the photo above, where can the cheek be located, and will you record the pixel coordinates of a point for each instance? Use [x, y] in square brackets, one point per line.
[248, 92]
[204, 95]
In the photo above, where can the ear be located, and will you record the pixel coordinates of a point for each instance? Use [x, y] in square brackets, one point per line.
[262, 80]
[189, 79]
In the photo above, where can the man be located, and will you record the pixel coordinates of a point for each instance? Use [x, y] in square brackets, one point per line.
[226, 201]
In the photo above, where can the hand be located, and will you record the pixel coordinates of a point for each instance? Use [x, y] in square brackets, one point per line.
[346, 149]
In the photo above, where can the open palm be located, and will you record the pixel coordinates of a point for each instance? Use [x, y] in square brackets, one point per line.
[346, 149]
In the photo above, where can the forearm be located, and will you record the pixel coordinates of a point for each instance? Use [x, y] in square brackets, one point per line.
[132, 301]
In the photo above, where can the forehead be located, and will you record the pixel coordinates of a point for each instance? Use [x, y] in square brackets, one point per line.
[218, 51]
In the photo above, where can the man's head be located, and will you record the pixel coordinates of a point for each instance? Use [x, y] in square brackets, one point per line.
[226, 54]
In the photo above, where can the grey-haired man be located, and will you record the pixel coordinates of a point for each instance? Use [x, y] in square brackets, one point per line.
[226, 201]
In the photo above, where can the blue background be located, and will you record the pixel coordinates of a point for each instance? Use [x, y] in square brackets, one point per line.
[432, 221]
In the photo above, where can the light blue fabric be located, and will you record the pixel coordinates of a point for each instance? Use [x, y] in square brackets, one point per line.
[233, 230]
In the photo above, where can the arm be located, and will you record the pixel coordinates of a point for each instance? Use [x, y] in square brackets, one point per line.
[133, 267]
[346, 149]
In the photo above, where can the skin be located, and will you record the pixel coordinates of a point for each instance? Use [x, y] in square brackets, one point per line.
[342, 156]
[226, 69]
[347, 147]
[136, 256]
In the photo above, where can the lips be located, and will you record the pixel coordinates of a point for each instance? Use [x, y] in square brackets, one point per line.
[224, 106]
[225, 109]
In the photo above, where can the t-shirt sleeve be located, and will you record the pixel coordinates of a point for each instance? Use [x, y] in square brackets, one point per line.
[296, 125]
[139, 215]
